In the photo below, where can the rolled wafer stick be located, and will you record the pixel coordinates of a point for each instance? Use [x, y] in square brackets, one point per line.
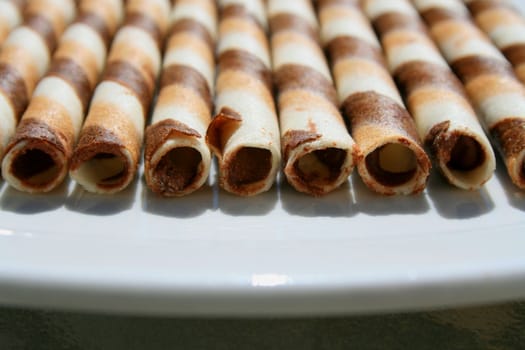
[394, 161]
[11, 15]
[176, 158]
[25, 57]
[434, 96]
[244, 134]
[106, 157]
[494, 90]
[505, 27]
[318, 152]
[37, 157]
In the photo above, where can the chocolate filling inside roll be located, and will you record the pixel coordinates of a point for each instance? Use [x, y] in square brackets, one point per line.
[177, 169]
[461, 156]
[249, 165]
[320, 167]
[35, 167]
[466, 154]
[392, 164]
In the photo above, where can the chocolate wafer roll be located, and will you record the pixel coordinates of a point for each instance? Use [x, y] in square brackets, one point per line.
[37, 158]
[106, 157]
[177, 159]
[11, 15]
[394, 161]
[505, 27]
[494, 90]
[318, 152]
[434, 96]
[244, 134]
[25, 58]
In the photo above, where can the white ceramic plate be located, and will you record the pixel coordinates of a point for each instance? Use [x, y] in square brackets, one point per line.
[281, 253]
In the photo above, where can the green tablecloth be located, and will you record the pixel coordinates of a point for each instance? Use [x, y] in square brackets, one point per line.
[487, 327]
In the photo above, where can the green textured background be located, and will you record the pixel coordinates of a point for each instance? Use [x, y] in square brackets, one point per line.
[488, 327]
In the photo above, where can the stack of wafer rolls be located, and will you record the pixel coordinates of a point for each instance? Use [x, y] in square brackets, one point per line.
[494, 90]
[176, 158]
[505, 26]
[434, 96]
[11, 15]
[318, 152]
[244, 134]
[25, 58]
[394, 161]
[106, 157]
[37, 158]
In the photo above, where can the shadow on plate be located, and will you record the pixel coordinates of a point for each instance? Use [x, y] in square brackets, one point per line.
[190, 206]
[85, 202]
[515, 196]
[338, 203]
[454, 203]
[235, 205]
[33, 203]
[371, 203]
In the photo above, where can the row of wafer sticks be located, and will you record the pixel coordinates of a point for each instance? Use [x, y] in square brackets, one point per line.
[261, 69]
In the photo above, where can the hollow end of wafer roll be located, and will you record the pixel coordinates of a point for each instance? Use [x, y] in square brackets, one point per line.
[34, 166]
[177, 162]
[463, 159]
[397, 166]
[318, 171]
[248, 170]
[102, 168]
[245, 170]
[394, 161]
[177, 170]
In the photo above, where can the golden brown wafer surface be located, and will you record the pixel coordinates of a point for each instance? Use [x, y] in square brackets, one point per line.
[433, 95]
[393, 160]
[106, 157]
[176, 158]
[506, 28]
[318, 152]
[25, 58]
[492, 87]
[244, 133]
[37, 158]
